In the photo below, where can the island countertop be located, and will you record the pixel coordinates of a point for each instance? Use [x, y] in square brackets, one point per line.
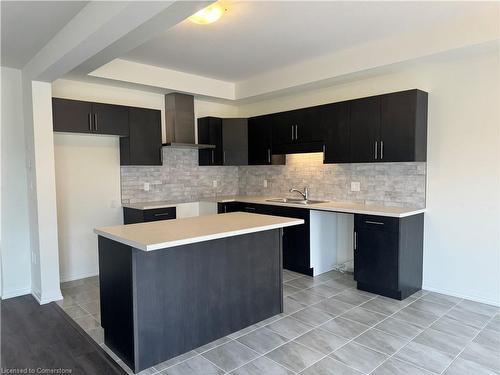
[169, 233]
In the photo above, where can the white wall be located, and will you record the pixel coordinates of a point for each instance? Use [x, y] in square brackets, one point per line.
[462, 222]
[88, 173]
[15, 243]
[88, 196]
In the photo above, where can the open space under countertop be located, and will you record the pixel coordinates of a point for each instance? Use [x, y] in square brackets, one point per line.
[169, 233]
[333, 206]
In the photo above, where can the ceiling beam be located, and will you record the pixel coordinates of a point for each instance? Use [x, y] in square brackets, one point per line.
[102, 31]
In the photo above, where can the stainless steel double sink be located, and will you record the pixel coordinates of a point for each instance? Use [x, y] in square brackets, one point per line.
[295, 201]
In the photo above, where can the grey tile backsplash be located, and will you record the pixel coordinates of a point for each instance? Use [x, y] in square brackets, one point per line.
[180, 178]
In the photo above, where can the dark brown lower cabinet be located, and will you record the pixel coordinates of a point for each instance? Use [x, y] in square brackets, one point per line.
[133, 215]
[388, 254]
[296, 239]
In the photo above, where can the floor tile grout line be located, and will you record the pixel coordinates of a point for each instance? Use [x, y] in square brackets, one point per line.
[404, 346]
[471, 340]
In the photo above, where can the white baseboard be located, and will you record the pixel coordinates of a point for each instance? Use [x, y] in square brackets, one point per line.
[6, 294]
[47, 297]
[65, 278]
[461, 295]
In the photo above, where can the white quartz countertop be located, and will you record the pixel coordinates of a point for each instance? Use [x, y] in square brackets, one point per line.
[333, 206]
[169, 233]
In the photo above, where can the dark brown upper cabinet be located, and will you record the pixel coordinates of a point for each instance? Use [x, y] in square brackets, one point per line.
[234, 141]
[210, 133]
[389, 128]
[336, 132]
[75, 116]
[403, 126]
[364, 123]
[143, 145]
[297, 131]
[260, 142]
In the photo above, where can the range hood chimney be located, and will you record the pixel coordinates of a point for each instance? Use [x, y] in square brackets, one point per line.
[179, 121]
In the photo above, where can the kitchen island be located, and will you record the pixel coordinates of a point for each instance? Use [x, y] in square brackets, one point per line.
[168, 287]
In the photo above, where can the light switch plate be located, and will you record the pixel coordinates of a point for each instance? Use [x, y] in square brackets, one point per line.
[265, 183]
[214, 183]
[146, 186]
[355, 186]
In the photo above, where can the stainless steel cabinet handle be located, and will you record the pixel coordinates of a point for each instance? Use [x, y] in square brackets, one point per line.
[224, 157]
[376, 150]
[95, 121]
[381, 150]
[90, 122]
[213, 156]
[292, 132]
[250, 208]
[162, 214]
[296, 132]
[269, 155]
[374, 222]
[355, 240]
[324, 152]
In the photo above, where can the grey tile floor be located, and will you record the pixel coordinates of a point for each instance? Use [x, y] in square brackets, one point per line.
[330, 327]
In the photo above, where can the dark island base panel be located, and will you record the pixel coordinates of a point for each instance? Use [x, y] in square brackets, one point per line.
[160, 304]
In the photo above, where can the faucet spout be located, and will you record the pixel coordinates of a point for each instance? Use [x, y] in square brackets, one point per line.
[305, 193]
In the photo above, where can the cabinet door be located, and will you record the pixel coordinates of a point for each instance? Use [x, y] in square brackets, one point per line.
[364, 122]
[226, 207]
[72, 116]
[210, 132]
[308, 127]
[259, 140]
[376, 256]
[110, 119]
[283, 128]
[235, 141]
[335, 128]
[143, 146]
[403, 126]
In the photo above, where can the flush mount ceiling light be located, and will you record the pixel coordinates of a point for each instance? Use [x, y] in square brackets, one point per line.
[208, 15]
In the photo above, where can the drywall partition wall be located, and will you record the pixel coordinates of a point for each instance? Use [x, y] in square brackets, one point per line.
[462, 240]
[88, 196]
[15, 242]
[93, 198]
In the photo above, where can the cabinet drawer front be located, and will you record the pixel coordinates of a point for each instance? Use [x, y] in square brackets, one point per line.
[160, 214]
[382, 223]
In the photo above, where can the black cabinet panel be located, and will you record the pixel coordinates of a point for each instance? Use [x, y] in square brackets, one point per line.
[73, 116]
[403, 134]
[296, 239]
[132, 215]
[336, 131]
[388, 254]
[364, 123]
[143, 145]
[210, 132]
[283, 128]
[260, 151]
[226, 207]
[235, 141]
[110, 119]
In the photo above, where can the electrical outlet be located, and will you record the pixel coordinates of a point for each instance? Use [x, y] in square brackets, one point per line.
[214, 183]
[265, 183]
[355, 186]
[146, 186]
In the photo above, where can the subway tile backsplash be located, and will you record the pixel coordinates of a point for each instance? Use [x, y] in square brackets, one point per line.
[180, 178]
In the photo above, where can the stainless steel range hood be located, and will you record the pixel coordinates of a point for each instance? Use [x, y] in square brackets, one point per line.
[179, 122]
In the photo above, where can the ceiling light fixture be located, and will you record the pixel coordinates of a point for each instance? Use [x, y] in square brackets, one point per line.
[207, 15]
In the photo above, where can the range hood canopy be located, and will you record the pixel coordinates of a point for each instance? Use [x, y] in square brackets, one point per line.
[179, 121]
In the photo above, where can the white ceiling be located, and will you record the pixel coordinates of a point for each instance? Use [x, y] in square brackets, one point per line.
[27, 26]
[257, 37]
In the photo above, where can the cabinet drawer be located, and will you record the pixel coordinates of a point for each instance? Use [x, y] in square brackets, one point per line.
[382, 223]
[160, 214]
